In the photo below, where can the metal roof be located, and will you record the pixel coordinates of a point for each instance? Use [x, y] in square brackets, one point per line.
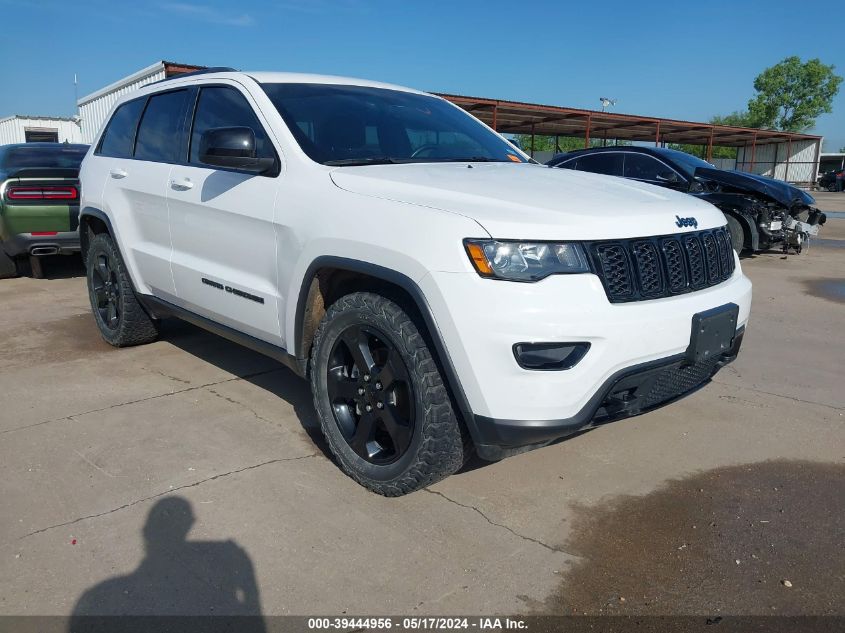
[517, 117]
[38, 117]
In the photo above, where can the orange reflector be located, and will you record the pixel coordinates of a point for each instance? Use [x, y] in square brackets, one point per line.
[476, 254]
[515, 159]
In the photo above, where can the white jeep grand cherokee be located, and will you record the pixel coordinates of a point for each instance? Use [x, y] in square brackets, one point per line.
[440, 292]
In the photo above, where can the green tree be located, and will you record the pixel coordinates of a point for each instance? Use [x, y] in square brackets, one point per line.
[701, 150]
[792, 94]
[565, 143]
[736, 119]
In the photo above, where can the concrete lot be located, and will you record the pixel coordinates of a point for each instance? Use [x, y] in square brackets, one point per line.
[709, 505]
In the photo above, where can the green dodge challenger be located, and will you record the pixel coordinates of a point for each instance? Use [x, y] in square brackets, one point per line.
[39, 203]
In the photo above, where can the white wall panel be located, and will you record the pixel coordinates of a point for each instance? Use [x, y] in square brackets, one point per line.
[13, 128]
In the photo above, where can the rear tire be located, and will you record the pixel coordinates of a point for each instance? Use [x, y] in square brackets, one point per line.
[36, 266]
[8, 266]
[382, 403]
[737, 234]
[119, 316]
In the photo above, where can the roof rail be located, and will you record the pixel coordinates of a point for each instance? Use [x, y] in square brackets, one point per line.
[203, 71]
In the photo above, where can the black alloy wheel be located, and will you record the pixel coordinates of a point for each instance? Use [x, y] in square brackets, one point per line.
[106, 289]
[121, 319]
[371, 394]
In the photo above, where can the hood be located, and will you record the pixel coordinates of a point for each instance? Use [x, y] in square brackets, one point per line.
[524, 201]
[774, 190]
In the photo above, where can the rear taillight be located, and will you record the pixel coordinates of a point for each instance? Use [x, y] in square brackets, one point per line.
[44, 192]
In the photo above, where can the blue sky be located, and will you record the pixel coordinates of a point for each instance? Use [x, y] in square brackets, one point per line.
[676, 59]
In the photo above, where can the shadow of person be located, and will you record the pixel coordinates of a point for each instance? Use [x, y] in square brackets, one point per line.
[177, 577]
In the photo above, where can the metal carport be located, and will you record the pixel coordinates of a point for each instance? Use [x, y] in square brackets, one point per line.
[786, 155]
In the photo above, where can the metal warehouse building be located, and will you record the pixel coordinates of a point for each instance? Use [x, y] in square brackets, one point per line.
[31, 129]
[784, 155]
[94, 108]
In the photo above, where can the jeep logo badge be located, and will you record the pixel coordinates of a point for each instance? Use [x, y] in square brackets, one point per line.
[681, 222]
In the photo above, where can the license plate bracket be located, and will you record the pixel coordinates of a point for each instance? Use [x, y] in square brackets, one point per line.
[712, 333]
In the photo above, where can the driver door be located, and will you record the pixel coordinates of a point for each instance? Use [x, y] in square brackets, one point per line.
[221, 223]
[648, 169]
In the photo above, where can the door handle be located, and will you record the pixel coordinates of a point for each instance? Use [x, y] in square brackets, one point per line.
[183, 184]
[118, 173]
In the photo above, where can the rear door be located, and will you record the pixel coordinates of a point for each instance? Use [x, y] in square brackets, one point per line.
[135, 194]
[221, 221]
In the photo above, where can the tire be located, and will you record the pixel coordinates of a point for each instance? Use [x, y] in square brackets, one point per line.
[737, 234]
[36, 266]
[831, 187]
[121, 319]
[410, 436]
[8, 266]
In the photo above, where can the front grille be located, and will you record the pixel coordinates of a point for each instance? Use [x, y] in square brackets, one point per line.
[653, 267]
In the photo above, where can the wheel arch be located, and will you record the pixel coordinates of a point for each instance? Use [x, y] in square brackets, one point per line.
[92, 221]
[329, 277]
[752, 235]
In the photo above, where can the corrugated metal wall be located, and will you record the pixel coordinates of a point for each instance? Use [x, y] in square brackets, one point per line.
[771, 160]
[12, 129]
[724, 163]
[95, 111]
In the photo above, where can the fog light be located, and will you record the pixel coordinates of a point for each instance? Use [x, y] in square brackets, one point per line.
[549, 356]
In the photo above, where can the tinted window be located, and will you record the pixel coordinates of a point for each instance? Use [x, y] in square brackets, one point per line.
[59, 156]
[643, 167]
[567, 164]
[158, 134]
[119, 136]
[688, 162]
[226, 107]
[338, 124]
[603, 163]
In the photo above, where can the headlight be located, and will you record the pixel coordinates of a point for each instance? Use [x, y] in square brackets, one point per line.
[525, 261]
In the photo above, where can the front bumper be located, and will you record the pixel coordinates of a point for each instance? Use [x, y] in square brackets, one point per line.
[627, 393]
[479, 321]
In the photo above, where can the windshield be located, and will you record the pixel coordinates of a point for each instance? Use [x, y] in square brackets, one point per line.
[67, 156]
[358, 125]
[687, 161]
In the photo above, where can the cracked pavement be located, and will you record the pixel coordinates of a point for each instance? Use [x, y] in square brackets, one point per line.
[93, 438]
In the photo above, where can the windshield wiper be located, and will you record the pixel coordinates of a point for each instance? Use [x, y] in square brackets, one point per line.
[473, 159]
[370, 160]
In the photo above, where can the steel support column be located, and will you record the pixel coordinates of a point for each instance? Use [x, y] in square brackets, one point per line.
[587, 131]
[753, 152]
[532, 140]
[788, 154]
[710, 147]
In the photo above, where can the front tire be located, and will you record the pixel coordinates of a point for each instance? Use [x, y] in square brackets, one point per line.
[737, 234]
[382, 403]
[120, 318]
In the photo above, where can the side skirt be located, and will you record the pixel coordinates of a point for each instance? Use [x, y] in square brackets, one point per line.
[160, 309]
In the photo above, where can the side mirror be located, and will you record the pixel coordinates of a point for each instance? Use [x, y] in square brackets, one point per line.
[232, 147]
